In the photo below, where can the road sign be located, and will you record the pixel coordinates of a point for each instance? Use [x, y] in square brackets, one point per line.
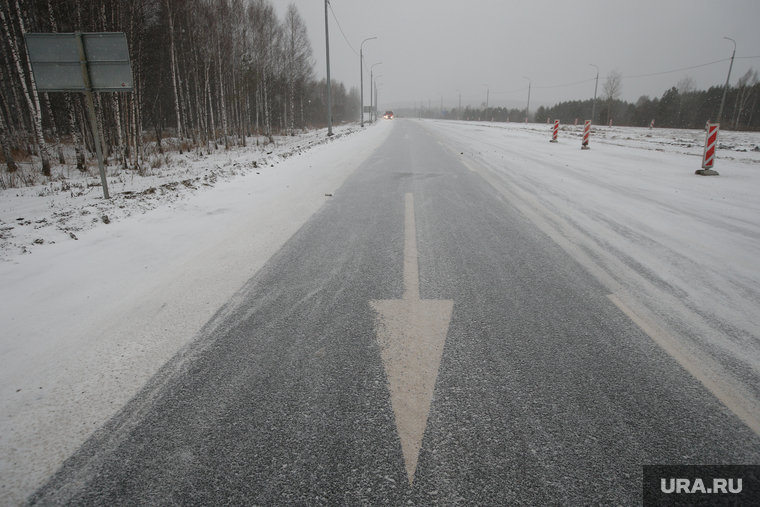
[57, 66]
[81, 62]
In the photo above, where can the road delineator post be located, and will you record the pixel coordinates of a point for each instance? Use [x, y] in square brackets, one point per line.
[586, 135]
[708, 159]
[555, 132]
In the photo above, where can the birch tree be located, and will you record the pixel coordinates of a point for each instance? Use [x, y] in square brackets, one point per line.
[298, 57]
[32, 98]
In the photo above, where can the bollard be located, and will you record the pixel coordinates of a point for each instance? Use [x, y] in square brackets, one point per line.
[555, 131]
[586, 135]
[708, 159]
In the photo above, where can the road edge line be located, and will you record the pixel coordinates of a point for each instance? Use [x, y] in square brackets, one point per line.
[741, 406]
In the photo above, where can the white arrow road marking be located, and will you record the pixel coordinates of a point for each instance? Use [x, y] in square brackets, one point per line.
[411, 334]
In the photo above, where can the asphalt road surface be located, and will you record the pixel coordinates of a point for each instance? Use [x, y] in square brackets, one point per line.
[417, 342]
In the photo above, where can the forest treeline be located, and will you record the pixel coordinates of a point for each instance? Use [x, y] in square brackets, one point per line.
[206, 72]
[682, 106]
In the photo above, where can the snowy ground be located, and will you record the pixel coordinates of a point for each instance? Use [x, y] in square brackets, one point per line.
[678, 251]
[87, 321]
[97, 295]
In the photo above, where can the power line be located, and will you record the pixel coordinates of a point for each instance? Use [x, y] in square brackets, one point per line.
[679, 70]
[341, 29]
[564, 85]
[637, 76]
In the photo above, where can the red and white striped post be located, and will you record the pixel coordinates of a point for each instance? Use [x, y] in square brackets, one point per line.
[555, 131]
[547, 121]
[526, 121]
[651, 125]
[708, 159]
[576, 122]
[586, 135]
[610, 122]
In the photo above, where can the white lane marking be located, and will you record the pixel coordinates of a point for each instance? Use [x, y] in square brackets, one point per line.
[411, 333]
[741, 406]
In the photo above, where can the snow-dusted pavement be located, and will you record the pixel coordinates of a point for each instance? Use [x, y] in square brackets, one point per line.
[87, 321]
[678, 251]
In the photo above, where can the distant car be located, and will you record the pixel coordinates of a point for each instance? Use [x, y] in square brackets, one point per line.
[388, 115]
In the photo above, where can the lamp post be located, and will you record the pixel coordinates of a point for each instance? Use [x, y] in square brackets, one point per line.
[361, 77]
[725, 90]
[370, 89]
[376, 83]
[488, 92]
[459, 110]
[593, 107]
[329, 95]
[527, 108]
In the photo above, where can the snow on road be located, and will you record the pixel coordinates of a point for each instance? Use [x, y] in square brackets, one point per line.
[87, 321]
[679, 250]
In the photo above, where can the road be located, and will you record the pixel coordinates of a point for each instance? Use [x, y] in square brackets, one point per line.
[419, 341]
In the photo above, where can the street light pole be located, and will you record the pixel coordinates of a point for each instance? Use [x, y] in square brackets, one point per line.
[376, 78]
[361, 77]
[593, 107]
[725, 90]
[527, 108]
[488, 92]
[371, 90]
[329, 95]
[459, 110]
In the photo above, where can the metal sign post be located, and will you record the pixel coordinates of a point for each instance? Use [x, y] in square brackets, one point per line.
[82, 62]
[93, 118]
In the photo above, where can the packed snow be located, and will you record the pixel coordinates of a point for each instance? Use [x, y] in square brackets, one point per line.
[97, 295]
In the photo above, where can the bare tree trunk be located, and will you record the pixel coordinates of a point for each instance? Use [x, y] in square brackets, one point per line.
[6, 145]
[210, 106]
[75, 133]
[220, 82]
[12, 131]
[174, 72]
[33, 101]
[56, 137]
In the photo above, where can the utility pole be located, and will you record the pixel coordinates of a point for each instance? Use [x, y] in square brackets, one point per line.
[593, 108]
[371, 90]
[527, 108]
[488, 92]
[329, 94]
[361, 77]
[376, 78]
[459, 110]
[725, 90]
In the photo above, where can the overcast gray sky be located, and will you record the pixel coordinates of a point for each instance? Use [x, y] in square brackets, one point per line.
[430, 48]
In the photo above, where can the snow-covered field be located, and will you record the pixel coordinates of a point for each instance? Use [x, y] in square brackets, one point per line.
[96, 296]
